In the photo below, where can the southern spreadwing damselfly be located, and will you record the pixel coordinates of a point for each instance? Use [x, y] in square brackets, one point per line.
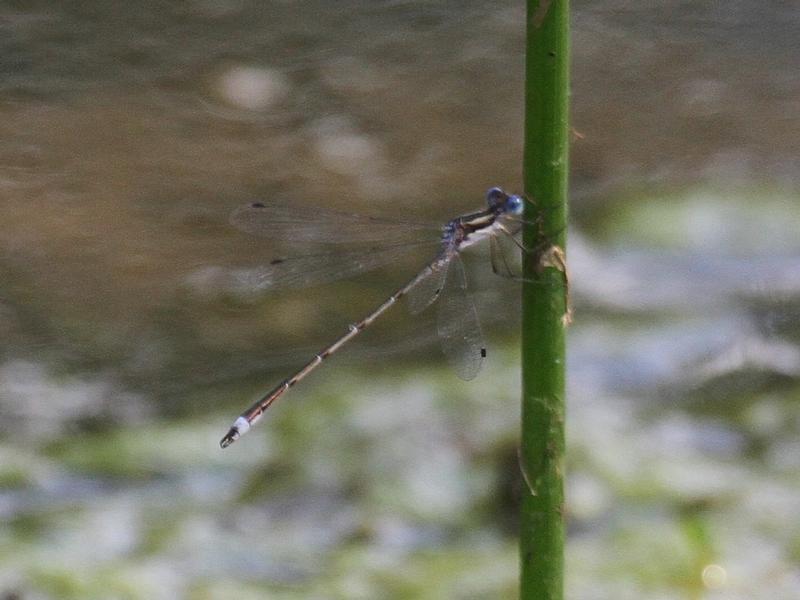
[442, 280]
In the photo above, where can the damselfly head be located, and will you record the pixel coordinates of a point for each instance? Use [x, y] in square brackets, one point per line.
[499, 201]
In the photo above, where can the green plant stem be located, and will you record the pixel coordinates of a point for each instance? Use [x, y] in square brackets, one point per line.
[544, 302]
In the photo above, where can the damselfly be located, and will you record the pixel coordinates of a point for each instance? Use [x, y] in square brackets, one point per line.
[443, 279]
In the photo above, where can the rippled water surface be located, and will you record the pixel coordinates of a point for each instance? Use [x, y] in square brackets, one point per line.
[130, 132]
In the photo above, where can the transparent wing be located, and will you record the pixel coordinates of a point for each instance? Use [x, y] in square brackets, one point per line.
[425, 293]
[317, 225]
[302, 271]
[505, 256]
[458, 327]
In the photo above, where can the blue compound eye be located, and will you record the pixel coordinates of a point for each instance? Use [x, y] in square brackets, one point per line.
[495, 196]
[515, 205]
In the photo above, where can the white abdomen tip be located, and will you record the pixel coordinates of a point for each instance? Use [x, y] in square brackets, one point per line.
[241, 425]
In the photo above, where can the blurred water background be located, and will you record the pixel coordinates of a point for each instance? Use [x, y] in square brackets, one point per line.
[129, 132]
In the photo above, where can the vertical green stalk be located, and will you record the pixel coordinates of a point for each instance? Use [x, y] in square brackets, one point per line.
[544, 301]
